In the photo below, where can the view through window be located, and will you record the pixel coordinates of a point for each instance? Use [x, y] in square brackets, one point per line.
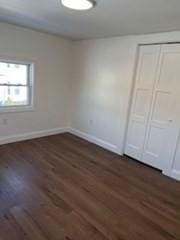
[15, 84]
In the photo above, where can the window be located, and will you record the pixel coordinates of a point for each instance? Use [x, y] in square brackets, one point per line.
[16, 85]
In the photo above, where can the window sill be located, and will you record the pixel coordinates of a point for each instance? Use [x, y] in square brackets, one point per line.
[16, 109]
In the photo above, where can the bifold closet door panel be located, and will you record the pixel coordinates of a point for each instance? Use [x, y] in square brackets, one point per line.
[163, 126]
[145, 79]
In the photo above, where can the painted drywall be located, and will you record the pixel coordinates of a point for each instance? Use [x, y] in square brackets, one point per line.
[52, 56]
[103, 73]
[102, 86]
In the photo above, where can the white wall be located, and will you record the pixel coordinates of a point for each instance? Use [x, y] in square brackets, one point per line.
[52, 57]
[102, 85]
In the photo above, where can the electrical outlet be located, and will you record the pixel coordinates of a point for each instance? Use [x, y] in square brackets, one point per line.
[5, 121]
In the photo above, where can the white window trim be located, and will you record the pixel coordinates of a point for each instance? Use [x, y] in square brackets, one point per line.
[30, 107]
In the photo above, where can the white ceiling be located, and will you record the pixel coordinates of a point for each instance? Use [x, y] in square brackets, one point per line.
[109, 18]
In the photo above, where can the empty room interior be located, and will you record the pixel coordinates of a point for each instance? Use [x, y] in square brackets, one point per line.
[90, 120]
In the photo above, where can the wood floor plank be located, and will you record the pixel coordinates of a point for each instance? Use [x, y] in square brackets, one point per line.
[25, 221]
[10, 229]
[64, 188]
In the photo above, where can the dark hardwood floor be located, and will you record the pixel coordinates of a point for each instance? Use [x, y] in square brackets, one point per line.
[64, 188]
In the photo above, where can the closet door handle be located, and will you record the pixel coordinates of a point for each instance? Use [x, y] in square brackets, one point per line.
[170, 120]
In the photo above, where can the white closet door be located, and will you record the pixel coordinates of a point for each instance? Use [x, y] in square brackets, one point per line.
[145, 80]
[163, 126]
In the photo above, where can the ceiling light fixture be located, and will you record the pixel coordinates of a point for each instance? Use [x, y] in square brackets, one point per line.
[79, 4]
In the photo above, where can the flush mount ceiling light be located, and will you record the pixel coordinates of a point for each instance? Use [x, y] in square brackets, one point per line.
[79, 4]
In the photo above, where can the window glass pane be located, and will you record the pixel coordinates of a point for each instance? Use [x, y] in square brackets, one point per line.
[11, 73]
[13, 96]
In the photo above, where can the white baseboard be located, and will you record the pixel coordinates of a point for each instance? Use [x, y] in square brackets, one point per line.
[31, 135]
[92, 139]
[175, 174]
[44, 133]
